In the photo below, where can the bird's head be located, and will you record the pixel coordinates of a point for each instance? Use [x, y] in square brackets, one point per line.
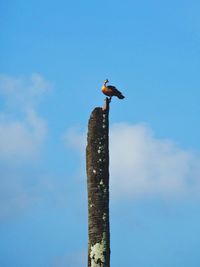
[106, 81]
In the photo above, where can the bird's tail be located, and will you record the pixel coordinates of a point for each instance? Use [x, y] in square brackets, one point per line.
[120, 96]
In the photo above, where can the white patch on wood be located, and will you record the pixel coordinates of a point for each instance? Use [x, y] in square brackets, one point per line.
[97, 253]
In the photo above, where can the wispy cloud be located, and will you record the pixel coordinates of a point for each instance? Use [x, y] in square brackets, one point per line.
[74, 138]
[24, 190]
[21, 140]
[22, 135]
[23, 92]
[22, 130]
[143, 165]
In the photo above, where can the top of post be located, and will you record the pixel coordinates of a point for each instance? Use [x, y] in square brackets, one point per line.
[106, 104]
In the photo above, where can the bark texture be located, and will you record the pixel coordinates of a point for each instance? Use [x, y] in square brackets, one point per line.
[97, 157]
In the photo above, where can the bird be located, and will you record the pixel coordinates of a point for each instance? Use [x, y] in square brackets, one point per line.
[111, 91]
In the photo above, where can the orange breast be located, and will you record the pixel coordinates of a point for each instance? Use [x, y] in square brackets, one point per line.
[107, 91]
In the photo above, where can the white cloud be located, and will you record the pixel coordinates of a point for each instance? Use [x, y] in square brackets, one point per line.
[23, 92]
[75, 139]
[142, 165]
[22, 130]
[22, 136]
[21, 140]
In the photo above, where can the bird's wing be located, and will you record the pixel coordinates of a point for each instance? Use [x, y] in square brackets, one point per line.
[115, 91]
[111, 87]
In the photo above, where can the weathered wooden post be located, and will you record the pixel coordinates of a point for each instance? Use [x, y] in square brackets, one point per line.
[97, 157]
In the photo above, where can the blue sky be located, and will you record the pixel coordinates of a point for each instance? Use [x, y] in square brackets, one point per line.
[54, 57]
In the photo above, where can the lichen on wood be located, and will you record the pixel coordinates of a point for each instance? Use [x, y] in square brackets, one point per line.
[97, 157]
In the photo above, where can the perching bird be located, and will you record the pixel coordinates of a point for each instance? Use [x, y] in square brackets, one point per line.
[110, 90]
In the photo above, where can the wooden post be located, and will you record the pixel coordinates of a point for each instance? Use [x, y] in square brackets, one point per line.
[97, 158]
